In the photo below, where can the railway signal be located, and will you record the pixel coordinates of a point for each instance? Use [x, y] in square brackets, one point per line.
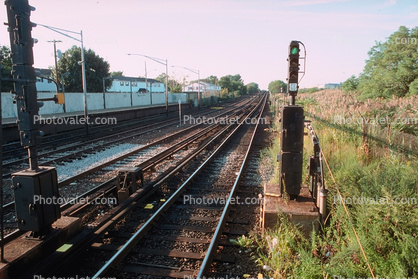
[293, 77]
[36, 181]
[291, 153]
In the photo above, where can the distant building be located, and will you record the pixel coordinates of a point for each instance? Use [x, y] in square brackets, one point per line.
[131, 84]
[45, 83]
[207, 89]
[332, 85]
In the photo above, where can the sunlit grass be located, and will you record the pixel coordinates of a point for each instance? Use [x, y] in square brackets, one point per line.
[381, 192]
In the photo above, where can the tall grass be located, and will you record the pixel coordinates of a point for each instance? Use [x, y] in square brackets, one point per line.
[381, 194]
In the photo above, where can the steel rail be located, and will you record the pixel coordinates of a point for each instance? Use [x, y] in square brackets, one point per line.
[67, 181]
[145, 165]
[207, 261]
[62, 149]
[108, 221]
[128, 246]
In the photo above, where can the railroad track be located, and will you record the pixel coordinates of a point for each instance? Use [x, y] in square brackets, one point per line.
[54, 145]
[184, 243]
[162, 149]
[97, 145]
[14, 153]
[87, 149]
[14, 150]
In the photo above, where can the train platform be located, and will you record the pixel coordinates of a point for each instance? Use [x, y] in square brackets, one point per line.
[62, 122]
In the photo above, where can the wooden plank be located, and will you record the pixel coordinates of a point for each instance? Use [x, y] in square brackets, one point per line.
[163, 272]
[238, 221]
[194, 206]
[186, 228]
[180, 239]
[235, 232]
[194, 218]
[172, 253]
[106, 247]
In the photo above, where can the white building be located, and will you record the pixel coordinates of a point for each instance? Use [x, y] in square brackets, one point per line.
[120, 84]
[131, 84]
[207, 89]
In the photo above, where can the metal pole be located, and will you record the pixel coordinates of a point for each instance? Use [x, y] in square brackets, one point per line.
[166, 86]
[63, 86]
[198, 89]
[180, 111]
[132, 102]
[56, 63]
[104, 94]
[1, 183]
[150, 94]
[83, 69]
[146, 81]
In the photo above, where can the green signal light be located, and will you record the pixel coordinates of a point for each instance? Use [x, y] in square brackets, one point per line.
[294, 50]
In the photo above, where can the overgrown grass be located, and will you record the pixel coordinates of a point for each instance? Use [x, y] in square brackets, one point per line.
[380, 192]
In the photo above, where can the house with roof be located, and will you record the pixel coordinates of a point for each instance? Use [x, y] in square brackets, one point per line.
[132, 84]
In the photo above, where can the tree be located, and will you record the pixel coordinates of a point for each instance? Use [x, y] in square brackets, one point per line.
[392, 66]
[117, 73]
[6, 68]
[173, 85]
[350, 85]
[96, 70]
[234, 84]
[276, 86]
[176, 89]
[211, 79]
[252, 88]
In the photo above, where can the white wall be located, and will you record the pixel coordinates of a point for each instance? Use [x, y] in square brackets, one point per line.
[74, 102]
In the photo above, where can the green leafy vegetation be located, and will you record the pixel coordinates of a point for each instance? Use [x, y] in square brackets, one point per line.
[252, 88]
[277, 86]
[233, 84]
[6, 68]
[391, 69]
[310, 90]
[350, 85]
[96, 69]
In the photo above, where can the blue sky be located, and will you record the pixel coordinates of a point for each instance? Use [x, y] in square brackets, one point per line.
[223, 37]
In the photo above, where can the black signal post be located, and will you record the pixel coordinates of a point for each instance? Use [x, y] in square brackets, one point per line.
[37, 180]
[292, 80]
[291, 154]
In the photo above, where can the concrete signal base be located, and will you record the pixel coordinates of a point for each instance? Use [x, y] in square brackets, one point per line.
[302, 211]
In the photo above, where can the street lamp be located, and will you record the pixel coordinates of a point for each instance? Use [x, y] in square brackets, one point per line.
[198, 82]
[82, 62]
[161, 61]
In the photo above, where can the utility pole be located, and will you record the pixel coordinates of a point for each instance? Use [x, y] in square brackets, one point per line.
[56, 63]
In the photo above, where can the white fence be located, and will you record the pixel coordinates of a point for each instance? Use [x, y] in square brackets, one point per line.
[95, 101]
